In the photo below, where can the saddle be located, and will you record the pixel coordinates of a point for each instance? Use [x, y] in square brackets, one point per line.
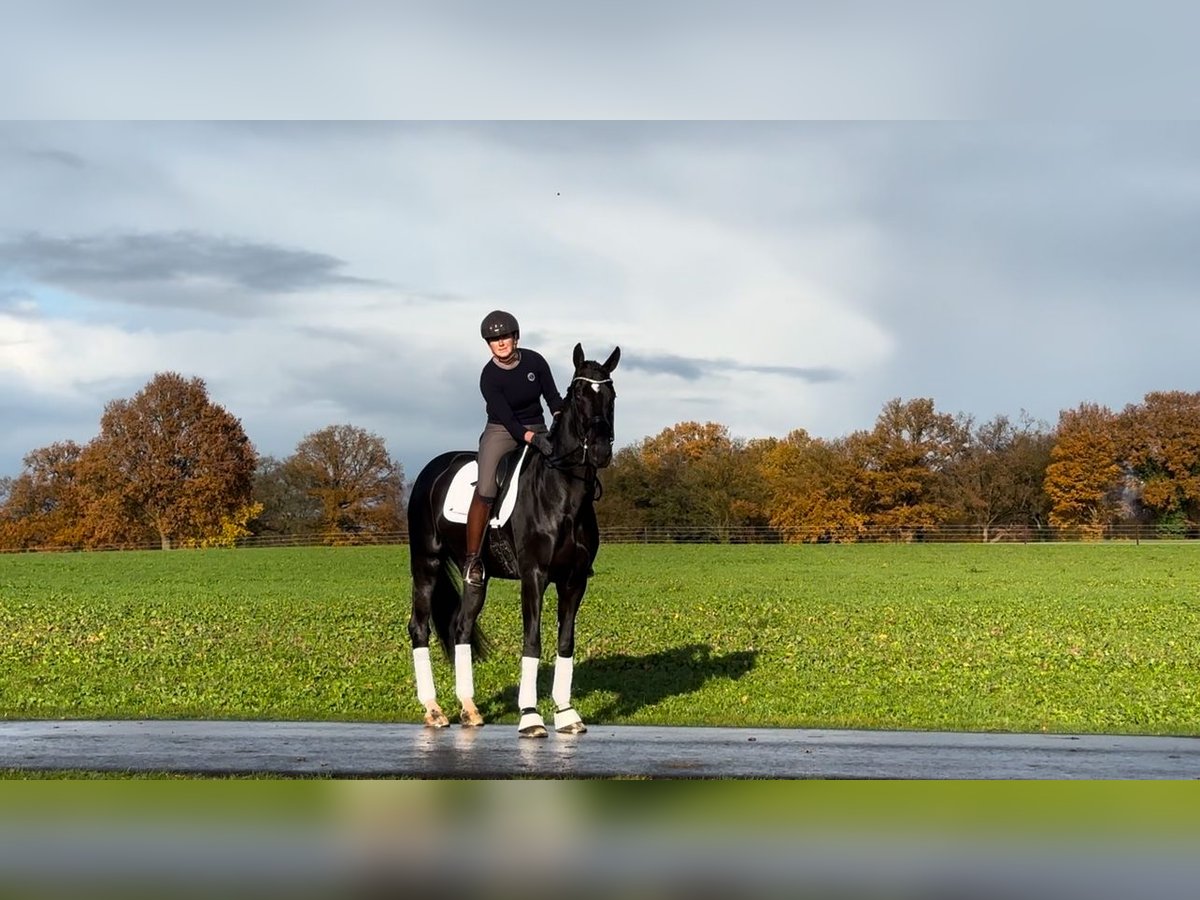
[462, 487]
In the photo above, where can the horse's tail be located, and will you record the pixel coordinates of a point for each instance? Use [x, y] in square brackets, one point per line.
[447, 601]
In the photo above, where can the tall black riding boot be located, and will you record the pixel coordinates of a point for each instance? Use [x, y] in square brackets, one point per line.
[477, 518]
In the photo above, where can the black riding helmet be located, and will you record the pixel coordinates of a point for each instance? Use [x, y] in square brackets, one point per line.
[498, 324]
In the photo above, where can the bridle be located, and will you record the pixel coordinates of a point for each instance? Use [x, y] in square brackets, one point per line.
[566, 462]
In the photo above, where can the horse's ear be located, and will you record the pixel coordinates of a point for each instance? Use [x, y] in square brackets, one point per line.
[578, 356]
[611, 362]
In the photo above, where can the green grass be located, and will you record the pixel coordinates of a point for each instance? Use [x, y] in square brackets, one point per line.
[1061, 638]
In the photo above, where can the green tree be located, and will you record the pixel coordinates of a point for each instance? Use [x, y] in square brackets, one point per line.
[627, 493]
[697, 480]
[290, 505]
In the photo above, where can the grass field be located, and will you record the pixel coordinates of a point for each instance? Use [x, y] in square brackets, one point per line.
[1062, 638]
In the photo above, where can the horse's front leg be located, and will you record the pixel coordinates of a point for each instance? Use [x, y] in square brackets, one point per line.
[566, 719]
[533, 589]
[464, 672]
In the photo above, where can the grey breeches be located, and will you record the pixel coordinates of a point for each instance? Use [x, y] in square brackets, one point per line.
[493, 444]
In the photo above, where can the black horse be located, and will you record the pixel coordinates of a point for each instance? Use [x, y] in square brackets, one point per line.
[550, 538]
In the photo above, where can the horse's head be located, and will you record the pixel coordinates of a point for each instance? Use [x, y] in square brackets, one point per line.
[586, 423]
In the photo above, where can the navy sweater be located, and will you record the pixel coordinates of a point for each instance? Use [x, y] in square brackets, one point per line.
[514, 396]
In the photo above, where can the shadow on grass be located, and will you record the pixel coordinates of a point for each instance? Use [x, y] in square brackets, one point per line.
[634, 682]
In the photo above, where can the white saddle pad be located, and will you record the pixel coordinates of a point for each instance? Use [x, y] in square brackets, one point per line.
[458, 498]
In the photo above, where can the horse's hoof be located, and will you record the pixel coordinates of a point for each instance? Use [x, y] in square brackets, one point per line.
[471, 719]
[531, 725]
[567, 721]
[436, 719]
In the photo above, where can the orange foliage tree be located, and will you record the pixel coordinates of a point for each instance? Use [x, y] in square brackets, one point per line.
[811, 489]
[44, 504]
[1083, 479]
[1161, 439]
[899, 463]
[168, 463]
[359, 487]
[691, 478]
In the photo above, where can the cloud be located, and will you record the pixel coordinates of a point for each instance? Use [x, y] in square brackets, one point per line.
[767, 275]
[44, 157]
[16, 302]
[694, 369]
[759, 59]
[115, 264]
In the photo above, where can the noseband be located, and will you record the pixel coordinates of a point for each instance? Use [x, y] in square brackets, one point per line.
[595, 420]
[593, 423]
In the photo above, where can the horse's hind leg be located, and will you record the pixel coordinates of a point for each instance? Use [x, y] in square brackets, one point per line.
[425, 572]
[566, 719]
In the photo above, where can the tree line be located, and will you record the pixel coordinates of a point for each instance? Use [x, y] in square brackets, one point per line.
[171, 468]
[920, 473]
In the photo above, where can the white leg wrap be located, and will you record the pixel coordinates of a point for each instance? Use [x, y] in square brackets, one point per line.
[564, 671]
[424, 672]
[565, 718]
[531, 720]
[464, 674]
[527, 695]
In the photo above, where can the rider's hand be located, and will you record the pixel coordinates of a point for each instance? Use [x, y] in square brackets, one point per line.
[542, 444]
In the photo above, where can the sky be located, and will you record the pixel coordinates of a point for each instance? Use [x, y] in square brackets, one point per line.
[320, 255]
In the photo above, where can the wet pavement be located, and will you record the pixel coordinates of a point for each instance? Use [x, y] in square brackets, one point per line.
[496, 751]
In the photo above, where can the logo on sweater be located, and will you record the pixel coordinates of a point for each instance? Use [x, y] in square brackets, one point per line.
[531, 376]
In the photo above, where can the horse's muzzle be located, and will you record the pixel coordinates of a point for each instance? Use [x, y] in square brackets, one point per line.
[600, 454]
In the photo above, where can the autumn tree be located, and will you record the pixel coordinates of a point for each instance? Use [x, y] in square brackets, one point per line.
[43, 506]
[900, 460]
[754, 494]
[626, 492]
[1161, 443]
[811, 489]
[686, 480]
[997, 481]
[1083, 479]
[357, 485]
[168, 462]
[289, 504]
[692, 478]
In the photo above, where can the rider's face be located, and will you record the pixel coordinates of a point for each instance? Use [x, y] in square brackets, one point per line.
[503, 347]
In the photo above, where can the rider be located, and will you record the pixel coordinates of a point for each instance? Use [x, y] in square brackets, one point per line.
[513, 384]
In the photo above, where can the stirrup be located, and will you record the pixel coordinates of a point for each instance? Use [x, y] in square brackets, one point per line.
[474, 565]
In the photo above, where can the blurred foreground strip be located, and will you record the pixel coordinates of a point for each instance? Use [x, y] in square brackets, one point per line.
[533, 839]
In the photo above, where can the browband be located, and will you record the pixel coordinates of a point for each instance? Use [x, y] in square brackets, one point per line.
[594, 382]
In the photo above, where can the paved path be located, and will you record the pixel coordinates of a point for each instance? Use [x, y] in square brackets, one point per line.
[495, 751]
